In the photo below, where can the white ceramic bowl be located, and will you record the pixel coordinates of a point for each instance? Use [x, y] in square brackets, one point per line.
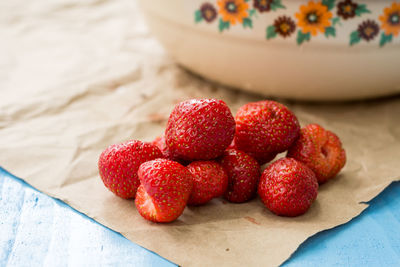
[311, 50]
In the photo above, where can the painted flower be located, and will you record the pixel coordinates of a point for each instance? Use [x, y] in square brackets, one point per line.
[284, 26]
[263, 5]
[233, 11]
[313, 18]
[390, 19]
[208, 12]
[346, 9]
[368, 30]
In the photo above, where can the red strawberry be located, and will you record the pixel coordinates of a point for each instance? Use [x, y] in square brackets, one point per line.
[118, 166]
[288, 187]
[165, 188]
[199, 129]
[160, 143]
[264, 129]
[210, 181]
[262, 159]
[320, 150]
[243, 175]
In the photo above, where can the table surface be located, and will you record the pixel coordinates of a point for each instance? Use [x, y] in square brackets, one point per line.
[37, 230]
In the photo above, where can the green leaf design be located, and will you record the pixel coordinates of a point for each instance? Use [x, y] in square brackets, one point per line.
[223, 25]
[385, 39]
[361, 9]
[330, 31]
[302, 37]
[252, 12]
[276, 4]
[247, 23]
[271, 32]
[329, 3]
[197, 16]
[354, 38]
[335, 21]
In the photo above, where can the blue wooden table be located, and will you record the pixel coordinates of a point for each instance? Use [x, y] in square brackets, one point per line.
[37, 230]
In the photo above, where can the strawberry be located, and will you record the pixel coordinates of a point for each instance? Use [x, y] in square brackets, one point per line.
[264, 129]
[210, 181]
[288, 187]
[165, 188]
[199, 129]
[320, 150]
[160, 143]
[243, 175]
[262, 159]
[118, 165]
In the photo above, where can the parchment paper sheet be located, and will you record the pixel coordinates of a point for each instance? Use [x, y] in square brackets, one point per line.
[76, 76]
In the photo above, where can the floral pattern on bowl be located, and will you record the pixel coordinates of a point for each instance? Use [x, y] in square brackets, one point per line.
[314, 18]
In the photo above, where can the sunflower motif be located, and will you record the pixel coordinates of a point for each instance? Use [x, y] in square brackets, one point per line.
[284, 26]
[263, 5]
[390, 19]
[368, 30]
[313, 18]
[346, 9]
[208, 12]
[233, 11]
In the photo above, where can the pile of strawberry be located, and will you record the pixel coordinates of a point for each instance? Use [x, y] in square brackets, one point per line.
[207, 153]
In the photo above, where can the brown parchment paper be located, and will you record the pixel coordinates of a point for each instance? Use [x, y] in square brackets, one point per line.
[76, 76]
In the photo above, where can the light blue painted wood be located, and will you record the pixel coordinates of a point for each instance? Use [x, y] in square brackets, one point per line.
[371, 239]
[36, 230]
